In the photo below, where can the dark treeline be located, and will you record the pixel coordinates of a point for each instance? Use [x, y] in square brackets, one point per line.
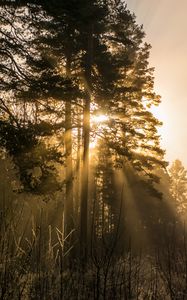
[84, 183]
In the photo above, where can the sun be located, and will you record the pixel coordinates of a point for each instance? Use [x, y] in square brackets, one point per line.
[99, 118]
[98, 121]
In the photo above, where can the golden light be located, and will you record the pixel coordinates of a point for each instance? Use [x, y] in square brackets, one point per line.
[93, 145]
[97, 123]
[99, 118]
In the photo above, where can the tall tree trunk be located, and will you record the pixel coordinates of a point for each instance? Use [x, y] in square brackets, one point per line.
[68, 204]
[86, 142]
[78, 168]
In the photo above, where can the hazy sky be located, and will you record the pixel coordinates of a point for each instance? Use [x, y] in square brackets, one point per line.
[165, 25]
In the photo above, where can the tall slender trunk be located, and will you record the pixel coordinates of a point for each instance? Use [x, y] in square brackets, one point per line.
[86, 142]
[78, 169]
[68, 204]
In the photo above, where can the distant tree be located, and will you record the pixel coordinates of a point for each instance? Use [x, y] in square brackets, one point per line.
[178, 185]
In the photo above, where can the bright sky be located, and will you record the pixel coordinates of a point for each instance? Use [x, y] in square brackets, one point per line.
[165, 25]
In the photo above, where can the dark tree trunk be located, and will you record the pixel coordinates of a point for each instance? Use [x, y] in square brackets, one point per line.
[68, 204]
[86, 142]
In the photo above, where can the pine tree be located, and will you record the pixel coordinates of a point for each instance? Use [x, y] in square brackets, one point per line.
[178, 185]
[88, 55]
[21, 133]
